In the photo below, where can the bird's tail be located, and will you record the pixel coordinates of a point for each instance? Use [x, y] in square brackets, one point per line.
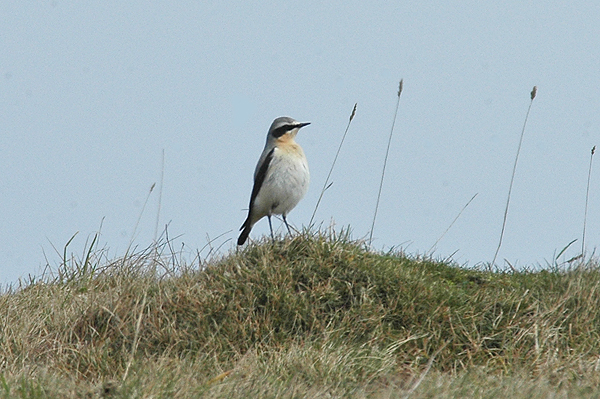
[246, 227]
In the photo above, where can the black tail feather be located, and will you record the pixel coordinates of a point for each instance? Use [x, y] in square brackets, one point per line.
[245, 232]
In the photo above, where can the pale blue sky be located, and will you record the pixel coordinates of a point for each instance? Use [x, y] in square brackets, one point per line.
[92, 92]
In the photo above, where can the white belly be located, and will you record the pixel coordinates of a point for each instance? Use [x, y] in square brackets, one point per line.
[284, 186]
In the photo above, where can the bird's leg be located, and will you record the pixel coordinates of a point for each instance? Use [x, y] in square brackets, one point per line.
[271, 227]
[287, 225]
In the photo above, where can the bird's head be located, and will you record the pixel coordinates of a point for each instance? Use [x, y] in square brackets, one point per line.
[285, 128]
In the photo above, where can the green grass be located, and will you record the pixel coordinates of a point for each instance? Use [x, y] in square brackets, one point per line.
[318, 315]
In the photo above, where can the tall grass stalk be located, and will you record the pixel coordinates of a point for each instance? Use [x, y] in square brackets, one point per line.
[426, 371]
[587, 195]
[325, 186]
[387, 151]
[452, 224]
[139, 219]
[512, 178]
[136, 338]
[160, 190]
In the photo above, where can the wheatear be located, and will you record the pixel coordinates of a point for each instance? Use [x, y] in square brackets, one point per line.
[281, 176]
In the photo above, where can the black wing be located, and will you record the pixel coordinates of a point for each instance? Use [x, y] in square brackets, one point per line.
[258, 182]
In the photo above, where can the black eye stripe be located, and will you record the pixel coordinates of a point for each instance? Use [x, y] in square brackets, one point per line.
[281, 130]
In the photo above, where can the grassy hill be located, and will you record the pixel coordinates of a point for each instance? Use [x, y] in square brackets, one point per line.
[318, 315]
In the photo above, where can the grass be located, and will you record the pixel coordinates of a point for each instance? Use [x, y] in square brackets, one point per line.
[512, 177]
[318, 315]
[387, 153]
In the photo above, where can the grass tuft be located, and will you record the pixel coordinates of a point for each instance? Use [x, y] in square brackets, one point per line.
[315, 315]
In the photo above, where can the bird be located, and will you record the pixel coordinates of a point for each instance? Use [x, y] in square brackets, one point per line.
[281, 176]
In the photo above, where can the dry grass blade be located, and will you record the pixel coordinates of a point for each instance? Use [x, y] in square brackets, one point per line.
[451, 224]
[325, 185]
[136, 338]
[387, 151]
[587, 196]
[512, 178]
[425, 372]
[137, 223]
[160, 192]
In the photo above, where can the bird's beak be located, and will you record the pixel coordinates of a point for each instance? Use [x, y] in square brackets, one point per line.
[302, 124]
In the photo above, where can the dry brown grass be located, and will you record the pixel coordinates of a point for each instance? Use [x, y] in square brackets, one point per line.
[312, 316]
